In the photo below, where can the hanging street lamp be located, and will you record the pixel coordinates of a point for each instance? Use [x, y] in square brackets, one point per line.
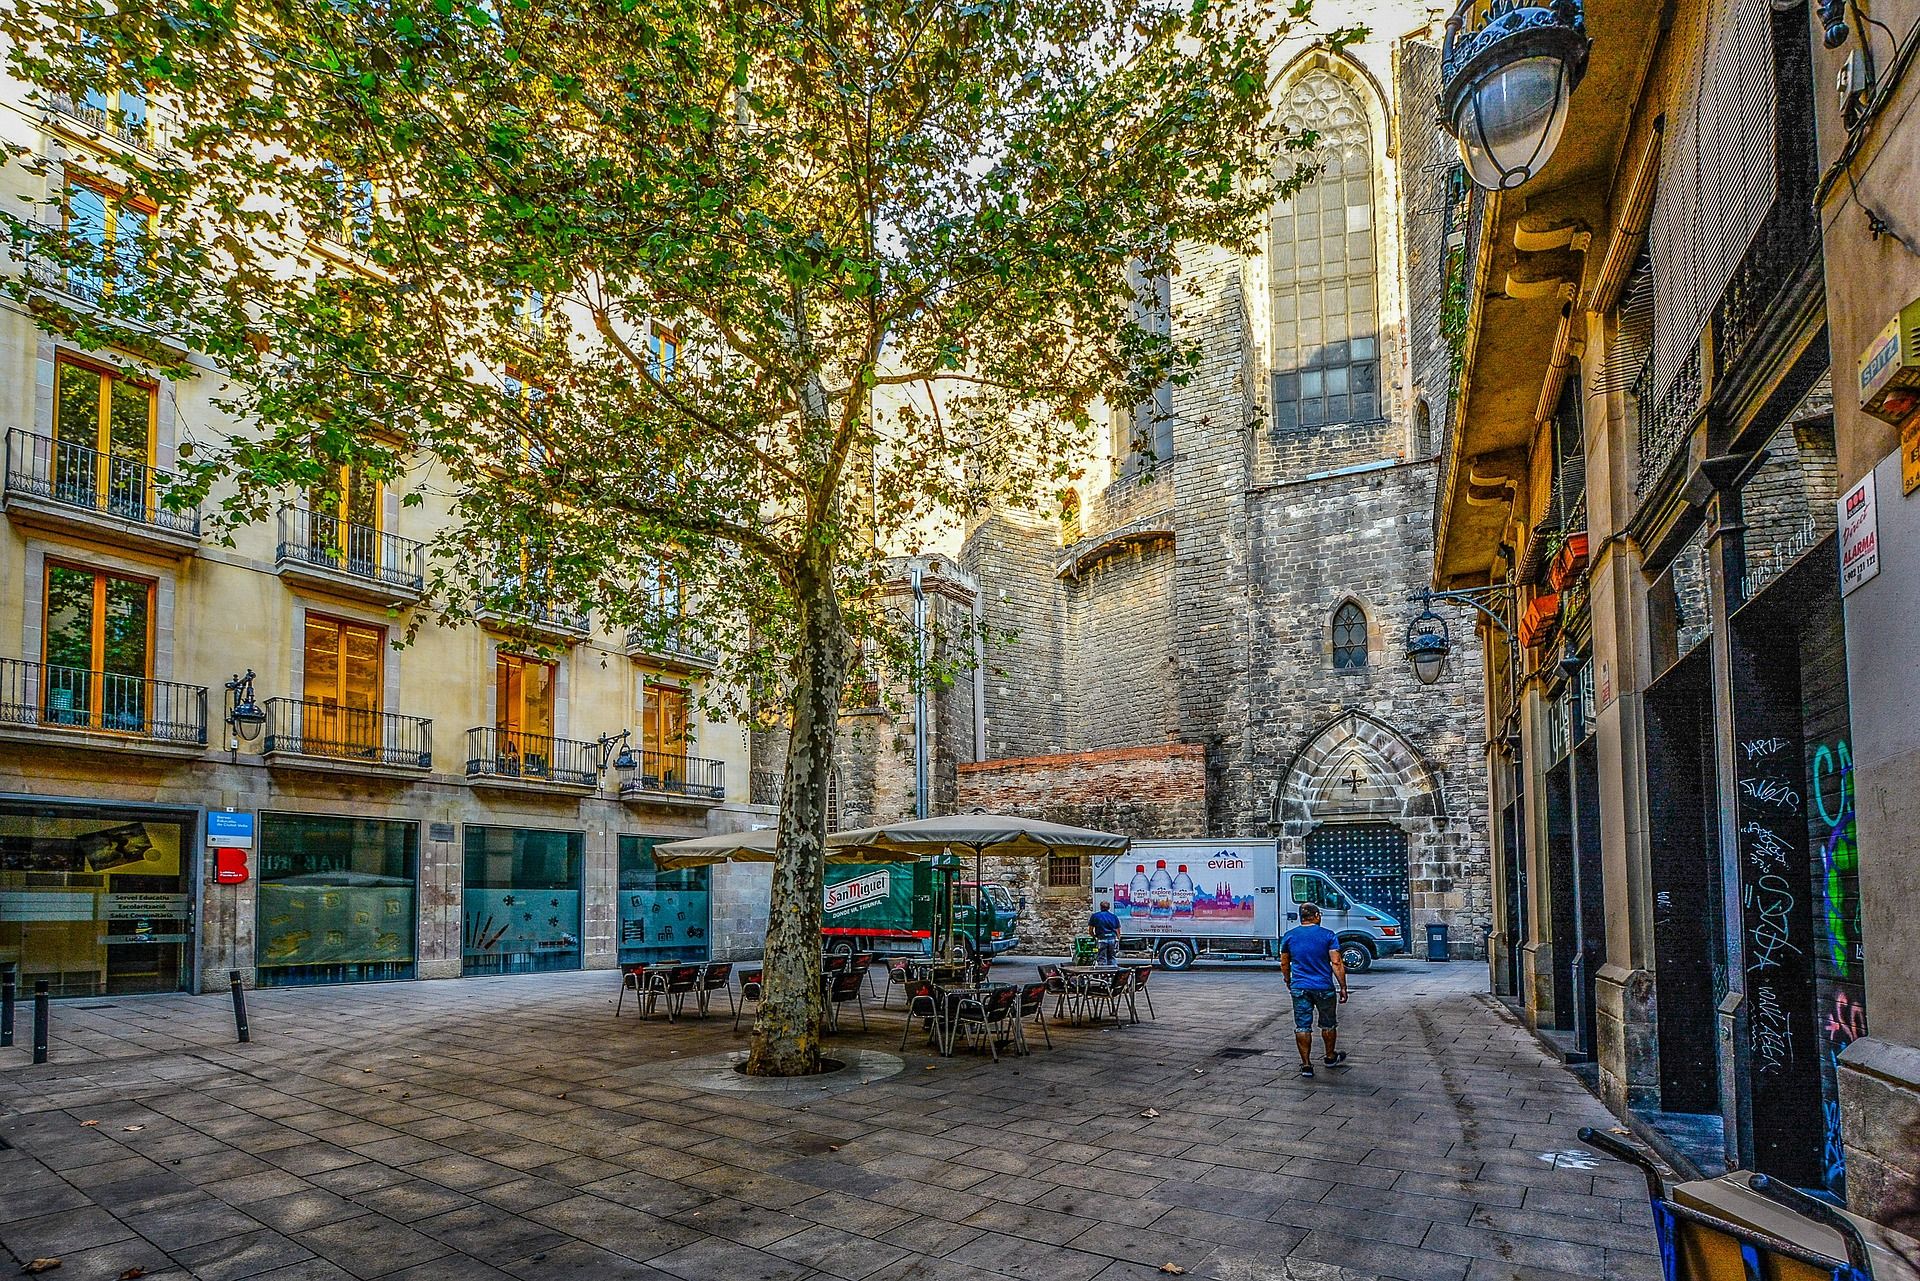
[1428, 644]
[1508, 68]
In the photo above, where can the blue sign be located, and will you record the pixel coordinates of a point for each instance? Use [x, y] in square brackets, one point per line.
[228, 830]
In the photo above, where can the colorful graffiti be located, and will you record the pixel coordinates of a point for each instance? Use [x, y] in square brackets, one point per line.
[1839, 977]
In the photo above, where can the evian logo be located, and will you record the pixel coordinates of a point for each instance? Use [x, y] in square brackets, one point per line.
[850, 896]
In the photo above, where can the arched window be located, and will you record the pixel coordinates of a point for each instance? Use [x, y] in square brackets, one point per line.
[1326, 331]
[1349, 636]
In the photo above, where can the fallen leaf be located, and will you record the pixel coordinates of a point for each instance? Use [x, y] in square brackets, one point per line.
[561, 1095]
[1199, 1071]
[833, 1147]
[1150, 1114]
[366, 1069]
[89, 1123]
[131, 1128]
[41, 1265]
[1172, 1269]
[131, 1273]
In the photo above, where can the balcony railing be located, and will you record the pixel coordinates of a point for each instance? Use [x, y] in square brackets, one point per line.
[73, 698]
[673, 646]
[88, 480]
[494, 753]
[135, 129]
[346, 547]
[672, 774]
[511, 604]
[348, 734]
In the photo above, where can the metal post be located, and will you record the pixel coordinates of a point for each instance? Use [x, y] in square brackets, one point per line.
[920, 735]
[8, 987]
[40, 1021]
[239, 1006]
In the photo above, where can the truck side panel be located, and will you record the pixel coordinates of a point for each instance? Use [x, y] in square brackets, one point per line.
[1233, 893]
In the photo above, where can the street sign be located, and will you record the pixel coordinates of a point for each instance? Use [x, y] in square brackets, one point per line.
[229, 830]
[1859, 535]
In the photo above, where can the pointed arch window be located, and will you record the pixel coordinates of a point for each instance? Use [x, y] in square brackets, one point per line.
[1324, 264]
[1349, 637]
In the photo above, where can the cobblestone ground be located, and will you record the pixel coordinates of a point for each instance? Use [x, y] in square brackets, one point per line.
[488, 1128]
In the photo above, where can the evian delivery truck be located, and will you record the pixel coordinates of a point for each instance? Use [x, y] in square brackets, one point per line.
[1231, 901]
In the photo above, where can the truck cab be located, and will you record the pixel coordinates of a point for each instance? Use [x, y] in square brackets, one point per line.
[985, 917]
[1365, 932]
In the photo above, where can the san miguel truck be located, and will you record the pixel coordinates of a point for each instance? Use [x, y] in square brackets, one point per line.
[913, 907]
[1231, 901]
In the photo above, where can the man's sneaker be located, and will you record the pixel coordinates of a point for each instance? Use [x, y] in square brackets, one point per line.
[1336, 1059]
[1306, 1069]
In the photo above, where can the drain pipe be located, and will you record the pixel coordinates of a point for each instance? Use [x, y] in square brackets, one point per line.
[915, 569]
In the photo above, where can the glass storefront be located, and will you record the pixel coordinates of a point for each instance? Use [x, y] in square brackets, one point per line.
[663, 915]
[522, 900]
[338, 899]
[95, 900]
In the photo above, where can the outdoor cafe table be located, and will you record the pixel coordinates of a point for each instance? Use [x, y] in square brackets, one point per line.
[1080, 977]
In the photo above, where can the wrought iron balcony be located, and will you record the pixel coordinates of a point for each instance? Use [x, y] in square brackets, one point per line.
[346, 554]
[63, 481]
[674, 775]
[513, 606]
[348, 735]
[673, 649]
[133, 129]
[63, 700]
[512, 757]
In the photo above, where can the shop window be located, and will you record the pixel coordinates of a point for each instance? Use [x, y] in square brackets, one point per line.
[94, 900]
[98, 628]
[1349, 637]
[1065, 872]
[338, 899]
[521, 900]
[1325, 325]
[343, 673]
[103, 439]
[663, 914]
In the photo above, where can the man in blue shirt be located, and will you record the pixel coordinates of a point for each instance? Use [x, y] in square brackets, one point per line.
[1105, 927]
[1314, 969]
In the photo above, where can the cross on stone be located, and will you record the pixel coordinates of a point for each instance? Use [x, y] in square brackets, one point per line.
[1355, 781]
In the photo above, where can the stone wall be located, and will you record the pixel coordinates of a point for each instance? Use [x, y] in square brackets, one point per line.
[1144, 792]
[1119, 642]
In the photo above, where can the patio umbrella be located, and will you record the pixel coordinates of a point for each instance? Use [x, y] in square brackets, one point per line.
[756, 846]
[1001, 835]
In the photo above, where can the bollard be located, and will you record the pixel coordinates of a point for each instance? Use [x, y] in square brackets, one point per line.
[239, 1006]
[7, 992]
[40, 1021]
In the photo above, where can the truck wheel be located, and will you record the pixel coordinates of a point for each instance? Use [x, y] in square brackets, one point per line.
[1175, 956]
[1358, 956]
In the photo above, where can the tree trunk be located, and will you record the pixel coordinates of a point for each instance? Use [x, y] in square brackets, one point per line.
[786, 1033]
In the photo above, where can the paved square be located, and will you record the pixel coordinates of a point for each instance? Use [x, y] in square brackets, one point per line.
[513, 1127]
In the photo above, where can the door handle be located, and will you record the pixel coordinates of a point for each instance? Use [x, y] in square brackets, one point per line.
[1293, 916]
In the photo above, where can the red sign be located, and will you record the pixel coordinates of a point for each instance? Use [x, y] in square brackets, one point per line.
[229, 866]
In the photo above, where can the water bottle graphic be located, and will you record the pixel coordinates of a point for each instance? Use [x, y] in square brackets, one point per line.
[1139, 894]
[1182, 893]
[1160, 890]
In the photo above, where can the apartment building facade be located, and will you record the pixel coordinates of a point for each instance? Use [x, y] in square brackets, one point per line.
[395, 798]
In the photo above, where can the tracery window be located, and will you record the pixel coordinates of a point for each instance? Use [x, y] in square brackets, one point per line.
[1326, 339]
[1349, 637]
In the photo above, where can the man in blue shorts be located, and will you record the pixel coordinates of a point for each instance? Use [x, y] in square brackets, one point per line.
[1315, 972]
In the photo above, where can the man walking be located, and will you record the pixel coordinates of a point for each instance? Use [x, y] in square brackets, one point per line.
[1315, 971]
[1105, 927]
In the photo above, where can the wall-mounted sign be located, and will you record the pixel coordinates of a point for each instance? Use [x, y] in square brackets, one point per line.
[439, 831]
[229, 865]
[1910, 454]
[1859, 535]
[228, 830]
[1890, 367]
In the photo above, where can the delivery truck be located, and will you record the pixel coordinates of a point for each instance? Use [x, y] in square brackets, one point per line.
[1231, 901]
[904, 907]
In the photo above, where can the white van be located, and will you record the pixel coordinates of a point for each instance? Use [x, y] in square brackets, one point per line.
[1231, 901]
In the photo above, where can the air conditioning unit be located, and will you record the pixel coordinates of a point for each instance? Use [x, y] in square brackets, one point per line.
[1890, 367]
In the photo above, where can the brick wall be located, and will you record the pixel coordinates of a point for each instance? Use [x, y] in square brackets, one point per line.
[1144, 792]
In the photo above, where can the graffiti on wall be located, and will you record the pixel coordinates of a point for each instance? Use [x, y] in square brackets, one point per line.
[1838, 967]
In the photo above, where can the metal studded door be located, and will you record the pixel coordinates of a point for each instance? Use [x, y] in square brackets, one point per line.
[1368, 860]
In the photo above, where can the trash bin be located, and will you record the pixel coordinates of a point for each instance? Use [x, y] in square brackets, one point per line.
[1437, 946]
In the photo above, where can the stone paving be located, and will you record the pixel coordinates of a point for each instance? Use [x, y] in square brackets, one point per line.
[511, 1127]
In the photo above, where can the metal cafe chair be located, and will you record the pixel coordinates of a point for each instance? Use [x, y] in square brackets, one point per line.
[1033, 1005]
[849, 985]
[923, 1002]
[681, 981]
[644, 982]
[1142, 973]
[752, 983]
[717, 976]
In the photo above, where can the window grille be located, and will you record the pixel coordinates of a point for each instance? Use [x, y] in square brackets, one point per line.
[1349, 637]
[1064, 872]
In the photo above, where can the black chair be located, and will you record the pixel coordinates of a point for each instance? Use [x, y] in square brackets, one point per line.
[681, 982]
[1141, 973]
[1033, 1005]
[637, 979]
[923, 1002]
[850, 985]
[1056, 982]
[716, 977]
[990, 1016]
[896, 972]
[752, 983]
[835, 962]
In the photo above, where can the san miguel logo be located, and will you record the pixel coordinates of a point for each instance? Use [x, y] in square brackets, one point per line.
[851, 896]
